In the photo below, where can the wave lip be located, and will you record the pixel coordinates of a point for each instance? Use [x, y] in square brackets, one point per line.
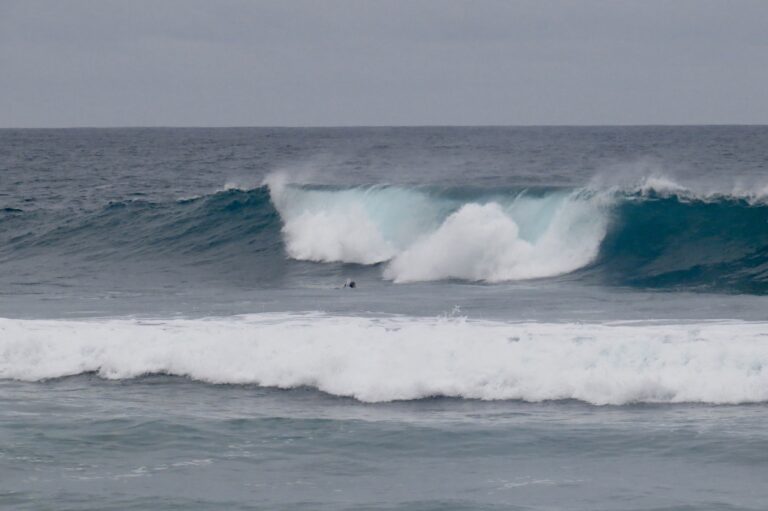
[378, 360]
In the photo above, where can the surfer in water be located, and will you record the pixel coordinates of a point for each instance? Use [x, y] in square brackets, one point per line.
[350, 284]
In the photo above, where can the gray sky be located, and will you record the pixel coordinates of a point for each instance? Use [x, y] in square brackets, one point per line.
[410, 62]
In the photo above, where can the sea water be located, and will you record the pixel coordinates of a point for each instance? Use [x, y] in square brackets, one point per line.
[543, 318]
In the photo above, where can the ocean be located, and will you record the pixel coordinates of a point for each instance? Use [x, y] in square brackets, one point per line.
[543, 318]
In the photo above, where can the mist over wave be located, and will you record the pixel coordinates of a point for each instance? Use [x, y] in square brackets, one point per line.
[401, 358]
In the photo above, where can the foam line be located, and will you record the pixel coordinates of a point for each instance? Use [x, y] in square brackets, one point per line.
[403, 358]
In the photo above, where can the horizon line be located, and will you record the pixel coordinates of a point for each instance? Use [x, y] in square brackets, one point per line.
[373, 126]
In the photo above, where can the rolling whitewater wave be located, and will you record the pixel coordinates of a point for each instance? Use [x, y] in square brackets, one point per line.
[655, 236]
[401, 358]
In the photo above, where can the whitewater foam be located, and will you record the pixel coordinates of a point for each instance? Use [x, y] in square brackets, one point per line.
[403, 358]
[427, 237]
[357, 225]
[483, 242]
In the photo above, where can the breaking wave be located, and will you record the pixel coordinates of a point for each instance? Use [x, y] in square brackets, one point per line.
[654, 235]
[425, 236]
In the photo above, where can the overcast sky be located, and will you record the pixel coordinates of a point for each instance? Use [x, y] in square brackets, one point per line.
[410, 62]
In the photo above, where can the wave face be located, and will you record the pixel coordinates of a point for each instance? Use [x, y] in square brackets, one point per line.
[230, 228]
[648, 238]
[669, 241]
[376, 360]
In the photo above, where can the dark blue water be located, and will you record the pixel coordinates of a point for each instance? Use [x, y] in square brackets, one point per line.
[543, 318]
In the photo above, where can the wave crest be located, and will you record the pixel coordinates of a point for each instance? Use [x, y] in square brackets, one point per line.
[653, 236]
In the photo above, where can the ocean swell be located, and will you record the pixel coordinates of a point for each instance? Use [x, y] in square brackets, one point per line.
[657, 235]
